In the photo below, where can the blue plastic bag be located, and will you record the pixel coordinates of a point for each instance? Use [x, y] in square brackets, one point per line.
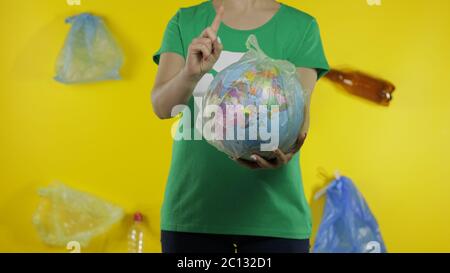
[90, 52]
[348, 225]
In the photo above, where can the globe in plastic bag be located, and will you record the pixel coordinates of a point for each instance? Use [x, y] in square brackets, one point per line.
[90, 52]
[66, 215]
[261, 99]
[348, 225]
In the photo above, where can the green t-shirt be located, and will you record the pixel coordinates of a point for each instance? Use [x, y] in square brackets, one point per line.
[206, 192]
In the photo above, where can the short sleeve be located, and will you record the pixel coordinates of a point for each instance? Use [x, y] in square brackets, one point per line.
[172, 41]
[309, 51]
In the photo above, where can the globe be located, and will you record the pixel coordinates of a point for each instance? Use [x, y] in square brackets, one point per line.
[242, 91]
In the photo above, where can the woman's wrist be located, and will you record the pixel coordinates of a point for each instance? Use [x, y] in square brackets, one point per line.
[190, 78]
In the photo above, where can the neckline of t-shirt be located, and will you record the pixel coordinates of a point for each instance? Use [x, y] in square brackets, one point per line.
[246, 31]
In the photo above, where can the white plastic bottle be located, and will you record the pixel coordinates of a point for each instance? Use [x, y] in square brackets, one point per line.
[136, 234]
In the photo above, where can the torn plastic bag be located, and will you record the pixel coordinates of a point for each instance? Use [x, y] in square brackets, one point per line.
[66, 215]
[90, 52]
[348, 225]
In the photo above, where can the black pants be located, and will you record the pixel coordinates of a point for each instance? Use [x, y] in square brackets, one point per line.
[183, 242]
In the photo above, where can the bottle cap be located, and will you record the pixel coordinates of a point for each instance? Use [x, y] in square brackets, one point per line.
[138, 217]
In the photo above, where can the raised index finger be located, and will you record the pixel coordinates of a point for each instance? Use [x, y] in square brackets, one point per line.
[218, 19]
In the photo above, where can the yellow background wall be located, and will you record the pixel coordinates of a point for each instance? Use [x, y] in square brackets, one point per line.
[103, 138]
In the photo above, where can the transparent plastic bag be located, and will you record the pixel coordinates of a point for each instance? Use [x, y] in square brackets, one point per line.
[255, 80]
[90, 52]
[66, 215]
[348, 225]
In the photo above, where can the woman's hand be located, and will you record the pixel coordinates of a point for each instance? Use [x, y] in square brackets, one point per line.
[176, 78]
[279, 160]
[204, 51]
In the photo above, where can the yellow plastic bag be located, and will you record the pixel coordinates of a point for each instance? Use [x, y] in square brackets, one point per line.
[66, 215]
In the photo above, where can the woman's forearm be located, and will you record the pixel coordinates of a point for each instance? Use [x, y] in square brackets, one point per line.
[173, 85]
[305, 126]
[308, 79]
[174, 92]
[177, 77]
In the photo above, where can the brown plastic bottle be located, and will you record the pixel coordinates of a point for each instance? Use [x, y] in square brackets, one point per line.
[363, 85]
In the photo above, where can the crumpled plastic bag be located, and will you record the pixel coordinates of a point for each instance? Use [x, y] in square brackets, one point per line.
[348, 225]
[66, 215]
[90, 52]
[255, 80]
